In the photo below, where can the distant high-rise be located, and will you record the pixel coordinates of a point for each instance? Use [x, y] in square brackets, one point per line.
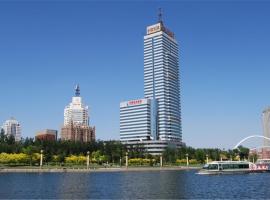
[266, 125]
[13, 127]
[76, 112]
[76, 121]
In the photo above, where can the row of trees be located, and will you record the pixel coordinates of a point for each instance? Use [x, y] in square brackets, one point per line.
[199, 156]
[107, 152]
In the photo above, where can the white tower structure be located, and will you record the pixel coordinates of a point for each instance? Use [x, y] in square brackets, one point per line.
[12, 127]
[266, 125]
[76, 112]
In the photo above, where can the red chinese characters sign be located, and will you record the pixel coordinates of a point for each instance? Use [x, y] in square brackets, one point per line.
[135, 102]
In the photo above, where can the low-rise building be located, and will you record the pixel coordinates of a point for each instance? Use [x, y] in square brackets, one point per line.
[46, 135]
[78, 133]
[261, 153]
[138, 120]
[139, 128]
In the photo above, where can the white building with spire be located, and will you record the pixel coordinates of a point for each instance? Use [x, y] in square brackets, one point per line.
[12, 127]
[76, 112]
[76, 121]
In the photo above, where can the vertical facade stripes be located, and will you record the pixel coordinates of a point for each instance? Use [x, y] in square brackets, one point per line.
[161, 81]
[135, 120]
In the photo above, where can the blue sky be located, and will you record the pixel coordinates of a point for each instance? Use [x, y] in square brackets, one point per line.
[47, 47]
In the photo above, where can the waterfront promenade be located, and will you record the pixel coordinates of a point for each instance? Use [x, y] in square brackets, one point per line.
[91, 170]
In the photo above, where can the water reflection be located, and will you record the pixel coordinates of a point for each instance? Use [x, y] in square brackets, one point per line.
[133, 185]
[72, 186]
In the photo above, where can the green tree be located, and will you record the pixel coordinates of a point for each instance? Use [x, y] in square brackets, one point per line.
[10, 140]
[243, 152]
[200, 156]
[2, 136]
[170, 155]
[29, 151]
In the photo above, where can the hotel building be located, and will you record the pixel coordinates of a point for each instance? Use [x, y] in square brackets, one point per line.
[161, 80]
[155, 121]
[76, 121]
[76, 112]
[136, 121]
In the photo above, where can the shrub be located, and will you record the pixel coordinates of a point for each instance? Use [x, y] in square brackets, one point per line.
[75, 159]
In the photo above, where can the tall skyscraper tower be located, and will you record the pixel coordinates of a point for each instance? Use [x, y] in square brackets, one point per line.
[76, 112]
[266, 125]
[12, 127]
[161, 80]
[76, 121]
[155, 121]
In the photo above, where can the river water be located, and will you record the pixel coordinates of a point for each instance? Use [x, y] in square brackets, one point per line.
[133, 185]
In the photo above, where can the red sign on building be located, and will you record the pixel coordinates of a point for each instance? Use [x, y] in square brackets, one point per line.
[135, 102]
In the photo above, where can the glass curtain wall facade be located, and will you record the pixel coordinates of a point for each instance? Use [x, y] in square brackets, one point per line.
[136, 123]
[161, 80]
[155, 121]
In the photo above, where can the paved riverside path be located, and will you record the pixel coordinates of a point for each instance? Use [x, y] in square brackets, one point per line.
[110, 169]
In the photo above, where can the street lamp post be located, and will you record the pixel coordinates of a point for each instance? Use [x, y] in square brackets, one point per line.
[187, 160]
[41, 158]
[161, 161]
[126, 159]
[88, 159]
[120, 161]
[207, 159]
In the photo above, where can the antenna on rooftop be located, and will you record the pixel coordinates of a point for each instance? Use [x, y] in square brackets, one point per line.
[77, 90]
[160, 15]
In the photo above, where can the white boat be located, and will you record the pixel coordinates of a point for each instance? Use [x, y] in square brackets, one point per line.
[263, 161]
[230, 167]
